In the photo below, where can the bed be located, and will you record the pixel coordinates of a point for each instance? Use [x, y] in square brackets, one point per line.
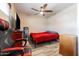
[38, 38]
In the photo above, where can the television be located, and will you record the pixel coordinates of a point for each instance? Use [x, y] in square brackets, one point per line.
[17, 22]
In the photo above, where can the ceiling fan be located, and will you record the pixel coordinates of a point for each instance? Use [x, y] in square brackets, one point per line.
[42, 10]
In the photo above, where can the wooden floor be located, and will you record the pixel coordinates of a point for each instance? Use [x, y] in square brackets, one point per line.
[46, 49]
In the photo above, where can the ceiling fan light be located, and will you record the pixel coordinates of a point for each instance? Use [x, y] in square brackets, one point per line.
[41, 13]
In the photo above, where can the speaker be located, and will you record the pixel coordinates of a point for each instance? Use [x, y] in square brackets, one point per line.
[17, 22]
[25, 32]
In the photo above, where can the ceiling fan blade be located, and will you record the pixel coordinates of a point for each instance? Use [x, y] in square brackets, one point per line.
[48, 11]
[45, 5]
[34, 9]
[36, 14]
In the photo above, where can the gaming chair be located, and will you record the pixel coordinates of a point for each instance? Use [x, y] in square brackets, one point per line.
[8, 45]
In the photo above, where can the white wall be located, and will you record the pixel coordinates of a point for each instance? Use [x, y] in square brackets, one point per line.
[5, 8]
[4, 11]
[35, 23]
[64, 22]
[3, 16]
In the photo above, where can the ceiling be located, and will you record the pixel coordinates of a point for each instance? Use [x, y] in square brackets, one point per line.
[26, 7]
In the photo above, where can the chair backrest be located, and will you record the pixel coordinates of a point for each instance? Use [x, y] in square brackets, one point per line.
[4, 35]
[5, 40]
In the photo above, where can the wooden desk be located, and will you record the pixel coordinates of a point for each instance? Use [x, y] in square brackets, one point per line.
[17, 35]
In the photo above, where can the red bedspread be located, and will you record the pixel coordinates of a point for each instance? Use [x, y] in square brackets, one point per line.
[44, 36]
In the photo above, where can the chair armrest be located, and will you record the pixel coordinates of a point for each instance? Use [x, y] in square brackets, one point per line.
[12, 49]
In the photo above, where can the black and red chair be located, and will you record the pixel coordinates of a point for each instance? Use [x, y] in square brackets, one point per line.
[12, 44]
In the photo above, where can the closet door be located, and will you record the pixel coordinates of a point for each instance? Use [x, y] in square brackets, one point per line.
[67, 45]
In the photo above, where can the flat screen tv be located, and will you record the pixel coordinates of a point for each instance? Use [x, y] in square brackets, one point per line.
[17, 22]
